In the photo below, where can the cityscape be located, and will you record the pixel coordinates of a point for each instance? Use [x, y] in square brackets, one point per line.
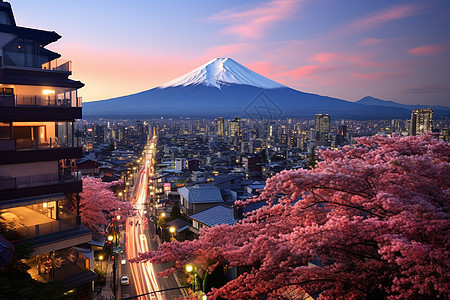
[218, 184]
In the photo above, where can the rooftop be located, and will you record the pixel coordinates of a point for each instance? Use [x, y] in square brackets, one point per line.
[216, 215]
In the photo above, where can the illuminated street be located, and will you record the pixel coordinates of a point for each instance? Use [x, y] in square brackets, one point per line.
[143, 275]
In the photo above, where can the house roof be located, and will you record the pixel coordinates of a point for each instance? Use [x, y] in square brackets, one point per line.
[216, 215]
[88, 164]
[257, 186]
[204, 193]
[227, 177]
[179, 225]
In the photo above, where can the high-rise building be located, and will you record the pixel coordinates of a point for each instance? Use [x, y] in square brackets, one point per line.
[38, 148]
[421, 121]
[321, 129]
[99, 133]
[235, 127]
[341, 136]
[220, 127]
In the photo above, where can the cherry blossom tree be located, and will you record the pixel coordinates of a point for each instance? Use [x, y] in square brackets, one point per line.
[368, 222]
[99, 205]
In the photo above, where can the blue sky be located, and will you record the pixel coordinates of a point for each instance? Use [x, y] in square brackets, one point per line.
[393, 50]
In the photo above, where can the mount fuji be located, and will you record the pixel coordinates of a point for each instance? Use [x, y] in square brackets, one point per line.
[223, 87]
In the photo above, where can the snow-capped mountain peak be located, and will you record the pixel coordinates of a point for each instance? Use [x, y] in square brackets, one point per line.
[223, 71]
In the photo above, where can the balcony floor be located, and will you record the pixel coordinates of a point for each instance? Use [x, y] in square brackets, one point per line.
[29, 217]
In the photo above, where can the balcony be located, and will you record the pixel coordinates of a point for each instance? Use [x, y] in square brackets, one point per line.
[46, 179]
[39, 107]
[39, 100]
[42, 184]
[52, 143]
[30, 61]
[63, 264]
[23, 151]
[29, 223]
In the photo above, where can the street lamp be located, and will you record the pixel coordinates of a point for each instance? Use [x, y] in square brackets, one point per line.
[189, 269]
[172, 231]
[101, 262]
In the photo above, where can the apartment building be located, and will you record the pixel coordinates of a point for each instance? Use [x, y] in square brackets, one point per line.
[38, 107]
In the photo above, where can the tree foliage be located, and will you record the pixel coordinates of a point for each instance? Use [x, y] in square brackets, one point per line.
[368, 222]
[99, 205]
[17, 283]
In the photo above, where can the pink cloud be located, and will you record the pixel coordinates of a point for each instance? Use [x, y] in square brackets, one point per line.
[428, 50]
[370, 42]
[227, 50]
[267, 69]
[252, 23]
[307, 71]
[325, 57]
[379, 75]
[391, 14]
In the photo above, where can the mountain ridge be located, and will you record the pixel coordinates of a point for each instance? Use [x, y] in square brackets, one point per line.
[224, 87]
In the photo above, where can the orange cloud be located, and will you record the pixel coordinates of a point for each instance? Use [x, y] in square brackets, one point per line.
[252, 23]
[116, 72]
[428, 50]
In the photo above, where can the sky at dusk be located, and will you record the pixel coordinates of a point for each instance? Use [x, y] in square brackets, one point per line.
[393, 50]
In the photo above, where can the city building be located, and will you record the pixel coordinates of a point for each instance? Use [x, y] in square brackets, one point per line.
[321, 129]
[220, 127]
[421, 121]
[38, 148]
[199, 197]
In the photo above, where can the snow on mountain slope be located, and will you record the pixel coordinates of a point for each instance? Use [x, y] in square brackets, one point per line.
[222, 71]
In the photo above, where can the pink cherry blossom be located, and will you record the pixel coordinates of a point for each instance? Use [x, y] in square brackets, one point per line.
[368, 222]
[99, 205]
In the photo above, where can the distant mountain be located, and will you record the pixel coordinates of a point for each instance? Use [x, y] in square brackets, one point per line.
[221, 72]
[223, 87]
[378, 102]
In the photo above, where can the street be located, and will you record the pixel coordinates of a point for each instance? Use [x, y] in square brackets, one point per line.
[139, 238]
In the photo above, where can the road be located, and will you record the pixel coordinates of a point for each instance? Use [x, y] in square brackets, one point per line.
[143, 278]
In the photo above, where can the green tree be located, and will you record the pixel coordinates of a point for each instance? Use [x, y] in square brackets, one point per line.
[17, 283]
[176, 213]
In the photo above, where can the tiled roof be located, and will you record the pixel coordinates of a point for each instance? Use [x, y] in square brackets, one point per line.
[215, 215]
[204, 193]
[179, 224]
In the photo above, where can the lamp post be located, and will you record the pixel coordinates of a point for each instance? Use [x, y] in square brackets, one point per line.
[114, 238]
[189, 269]
[101, 262]
[172, 231]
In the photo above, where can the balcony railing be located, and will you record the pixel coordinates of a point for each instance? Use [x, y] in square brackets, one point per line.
[7, 183]
[66, 263]
[58, 65]
[7, 145]
[27, 232]
[46, 179]
[29, 144]
[22, 60]
[53, 100]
